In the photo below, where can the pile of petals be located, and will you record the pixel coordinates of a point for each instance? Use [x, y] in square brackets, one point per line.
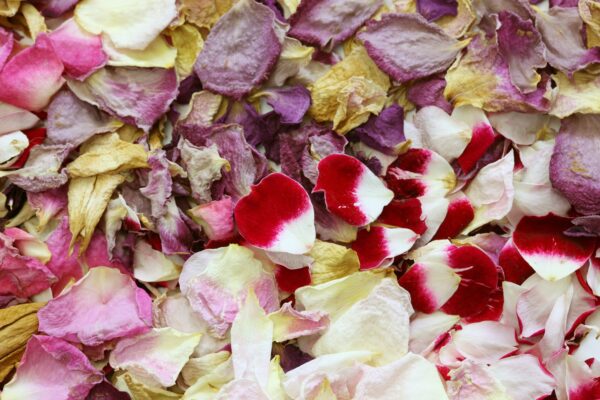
[299, 199]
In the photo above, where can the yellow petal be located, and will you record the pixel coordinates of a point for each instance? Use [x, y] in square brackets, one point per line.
[294, 56]
[126, 383]
[88, 198]
[457, 26]
[204, 13]
[32, 19]
[590, 13]
[188, 42]
[158, 54]
[332, 261]
[351, 90]
[579, 95]
[8, 8]
[107, 154]
[288, 6]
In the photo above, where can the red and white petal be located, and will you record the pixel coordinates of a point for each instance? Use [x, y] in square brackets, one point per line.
[515, 267]
[482, 138]
[460, 214]
[277, 215]
[523, 377]
[478, 279]
[581, 382]
[378, 243]
[435, 209]
[430, 285]
[352, 191]
[404, 214]
[426, 330]
[593, 275]
[440, 132]
[420, 172]
[545, 247]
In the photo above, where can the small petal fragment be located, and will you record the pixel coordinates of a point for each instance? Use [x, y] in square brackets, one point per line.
[352, 191]
[284, 223]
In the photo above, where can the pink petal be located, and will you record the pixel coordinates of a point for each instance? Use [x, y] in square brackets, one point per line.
[48, 204]
[62, 264]
[31, 77]
[216, 218]
[80, 51]
[103, 294]
[352, 191]
[376, 244]
[284, 222]
[7, 43]
[545, 247]
[289, 323]
[52, 369]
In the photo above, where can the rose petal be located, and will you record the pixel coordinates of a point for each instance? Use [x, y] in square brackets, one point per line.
[377, 244]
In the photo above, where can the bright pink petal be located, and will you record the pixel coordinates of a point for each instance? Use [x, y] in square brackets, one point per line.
[103, 294]
[430, 285]
[31, 77]
[52, 369]
[420, 172]
[7, 43]
[545, 247]
[513, 264]
[482, 139]
[352, 191]
[277, 215]
[376, 244]
[80, 51]
[460, 214]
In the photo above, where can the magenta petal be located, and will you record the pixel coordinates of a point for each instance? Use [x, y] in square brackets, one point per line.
[80, 52]
[6, 46]
[20, 275]
[543, 244]
[103, 294]
[54, 8]
[62, 264]
[327, 23]
[240, 50]
[352, 191]
[30, 78]
[284, 223]
[408, 47]
[52, 369]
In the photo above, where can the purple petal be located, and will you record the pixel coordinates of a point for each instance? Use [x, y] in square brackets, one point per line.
[435, 9]
[54, 8]
[385, 131]
[327, 23]
[240, 50]
[407, 47]
[429, 92]
[290, 103]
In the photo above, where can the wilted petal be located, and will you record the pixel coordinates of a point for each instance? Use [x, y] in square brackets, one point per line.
[139, 96]
[80, 52]
[240, 49]
[175, 235]
[160, 184]
[376, 244]
[328, 23]
[408, 47]
[103, 294]
[520, 128]
[52, 369]
[543, 244]
[157, 54]
[281, 224]
[216, 282]
[113, 19]
[575, 94]
[290, 103]
[352, 191]
[384, 132]
[155, 358]
[203, 166]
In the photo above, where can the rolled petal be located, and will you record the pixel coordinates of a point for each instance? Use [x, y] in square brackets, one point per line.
[80, 52]
[155, 358]
[376, 244]
[216, 282]
[138, 96]
[328, 23]
[543, 244]
[52, 369]
[112, 19]
[30, 78]
[408, 47]
[282, 224]
[249, 29]
[175, 235]
[103, 294]
[352, 191]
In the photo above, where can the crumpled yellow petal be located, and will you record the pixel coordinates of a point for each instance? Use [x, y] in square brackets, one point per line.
[353, 89]
[589, 10]
[288, 6]
[88, 198]
[126, 383]
[130, 24]
[204, 13]
[332, 261]
[107, 154]
[188, 42]
[158, 54]
[32, 19]
[8, 8]
[294, 56]
[577, 95]
[456, 26]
